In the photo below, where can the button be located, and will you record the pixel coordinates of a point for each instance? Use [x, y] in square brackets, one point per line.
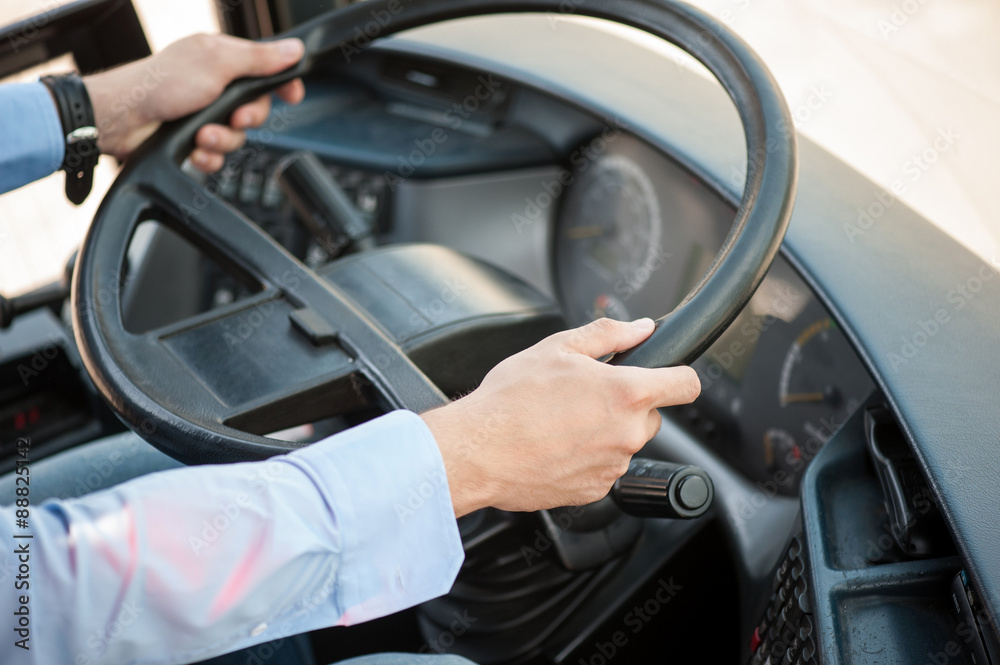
[692, 492]
[764, 624]
[808, 650]
[795, 548]
[755, 640]
[802, 600]
[798, 568]
[316, 328]
[805, 628]
[258, 629]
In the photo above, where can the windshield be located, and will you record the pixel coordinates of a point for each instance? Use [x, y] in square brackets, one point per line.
[907, 92]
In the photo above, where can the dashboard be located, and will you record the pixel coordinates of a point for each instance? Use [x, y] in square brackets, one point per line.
[580, 209]
[574, 205]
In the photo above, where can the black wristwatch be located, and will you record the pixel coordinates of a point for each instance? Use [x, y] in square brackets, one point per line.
[77, 116]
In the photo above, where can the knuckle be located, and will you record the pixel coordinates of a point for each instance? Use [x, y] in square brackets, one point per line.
[693, 384]
[604, 326]
[205, 43]
[631, 397]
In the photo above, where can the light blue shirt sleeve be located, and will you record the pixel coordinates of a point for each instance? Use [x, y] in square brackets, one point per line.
[190, 563]
[32, 144]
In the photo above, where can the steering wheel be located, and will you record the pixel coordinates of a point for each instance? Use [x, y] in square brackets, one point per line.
[164, 383]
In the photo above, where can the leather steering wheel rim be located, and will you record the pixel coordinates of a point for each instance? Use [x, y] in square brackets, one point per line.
[126, 367]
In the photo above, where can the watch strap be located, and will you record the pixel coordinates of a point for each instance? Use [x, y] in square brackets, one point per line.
[80, 131]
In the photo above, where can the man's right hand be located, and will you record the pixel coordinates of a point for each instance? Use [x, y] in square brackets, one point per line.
[553, 426]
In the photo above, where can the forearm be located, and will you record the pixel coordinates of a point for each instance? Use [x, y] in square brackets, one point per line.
[187, 564]
[33, 144]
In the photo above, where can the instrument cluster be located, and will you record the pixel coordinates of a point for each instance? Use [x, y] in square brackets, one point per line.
[634, 235]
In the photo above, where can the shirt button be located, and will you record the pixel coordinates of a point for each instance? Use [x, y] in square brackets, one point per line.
[258, 629]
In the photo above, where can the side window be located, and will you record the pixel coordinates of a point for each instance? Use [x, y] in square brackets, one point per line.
[39, 228]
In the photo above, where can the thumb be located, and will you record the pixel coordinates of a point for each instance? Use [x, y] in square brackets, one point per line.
[605, 336]
[247, 58]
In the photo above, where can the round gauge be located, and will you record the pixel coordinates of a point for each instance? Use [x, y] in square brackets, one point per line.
[610, 243]
[809, 371]
[820, 383]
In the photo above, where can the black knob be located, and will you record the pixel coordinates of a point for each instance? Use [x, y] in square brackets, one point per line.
[651, 488]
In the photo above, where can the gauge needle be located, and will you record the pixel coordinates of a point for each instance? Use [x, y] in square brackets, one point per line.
[803, 397]
[581, 232]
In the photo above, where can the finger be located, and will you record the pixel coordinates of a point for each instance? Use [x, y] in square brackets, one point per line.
[292, 92]
[219, 139]
[207, 161]
[656, 387]
[604, 336]
[241, 57]
[251, 115]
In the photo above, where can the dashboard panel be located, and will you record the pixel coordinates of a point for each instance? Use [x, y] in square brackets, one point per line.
[617, 229]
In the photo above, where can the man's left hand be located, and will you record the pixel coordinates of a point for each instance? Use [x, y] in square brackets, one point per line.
[130, 102]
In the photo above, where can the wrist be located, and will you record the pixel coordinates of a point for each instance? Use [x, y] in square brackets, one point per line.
[107, 126]
[471, 486]
[117, 116]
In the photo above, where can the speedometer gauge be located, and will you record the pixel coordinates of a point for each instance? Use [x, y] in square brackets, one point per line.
[612, 245]
[820, 382]
[810, 367]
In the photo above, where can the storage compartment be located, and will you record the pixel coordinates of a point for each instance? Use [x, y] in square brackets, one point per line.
[872, 602]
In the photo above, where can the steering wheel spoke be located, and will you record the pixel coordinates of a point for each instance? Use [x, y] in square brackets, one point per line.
[297, 351]
[230, 353]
